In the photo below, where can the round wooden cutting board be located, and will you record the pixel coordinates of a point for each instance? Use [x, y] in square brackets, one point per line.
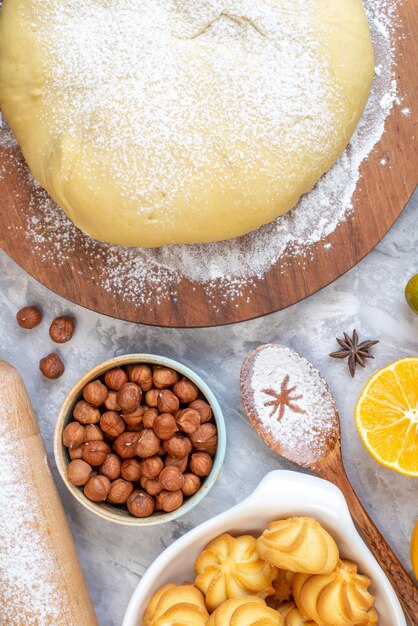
[105, 278]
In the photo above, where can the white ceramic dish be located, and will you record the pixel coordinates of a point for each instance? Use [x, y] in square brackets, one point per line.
[280, 494]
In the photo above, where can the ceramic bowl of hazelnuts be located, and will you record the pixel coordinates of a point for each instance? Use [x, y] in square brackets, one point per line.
[140, 440]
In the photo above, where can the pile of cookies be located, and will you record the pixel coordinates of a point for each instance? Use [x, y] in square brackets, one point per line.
[292, 575]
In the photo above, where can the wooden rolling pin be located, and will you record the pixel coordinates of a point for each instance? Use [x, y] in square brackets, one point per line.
[41, 580]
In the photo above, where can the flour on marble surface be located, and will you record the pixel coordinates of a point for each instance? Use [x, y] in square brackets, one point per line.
[144, 275]
[303, 419]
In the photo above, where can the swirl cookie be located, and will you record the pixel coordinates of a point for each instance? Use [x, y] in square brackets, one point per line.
[340, 598]
[230, 567]
[299, 544]
[245, 611]
[176, 604]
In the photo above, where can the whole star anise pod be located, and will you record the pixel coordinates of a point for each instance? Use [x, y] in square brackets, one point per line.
[356, 352]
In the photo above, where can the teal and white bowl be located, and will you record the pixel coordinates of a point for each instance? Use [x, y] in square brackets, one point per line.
[107, 511]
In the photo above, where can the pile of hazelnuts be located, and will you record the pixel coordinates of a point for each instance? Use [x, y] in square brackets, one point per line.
[142, 438]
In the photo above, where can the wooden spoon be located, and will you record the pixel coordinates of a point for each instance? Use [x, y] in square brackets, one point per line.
[292, 408]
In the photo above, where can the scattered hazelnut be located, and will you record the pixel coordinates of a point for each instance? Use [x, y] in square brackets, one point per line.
[191, 484]
[203, 408]
[134, 419]
[78, 472]
[125, 445]
[141, 504]
[29, 317]
[111, 467]
[120, 491]
[92, 433]
[205, 437]
[151, 397]
[149, 417]
[97, 488]
[171, 478]
[131, 470]
[188, 420]
[52, 366]
[167, 402]
[95, 393]
[111, 403]
[128, 397]
[201, 463]
[95, 452]
[164, 377]
[112, 424]
[169, 500]
[178, 446]
[151, 486]
[75, 453]
[85, 413]
[115, 378]
[185, 390]
[73, 435]
[61, 329]
[151, 467]
[165, 426]
[179, 462]
[142, 376]
[148, 444]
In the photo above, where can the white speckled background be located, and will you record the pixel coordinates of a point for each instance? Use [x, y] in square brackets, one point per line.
[369, 298]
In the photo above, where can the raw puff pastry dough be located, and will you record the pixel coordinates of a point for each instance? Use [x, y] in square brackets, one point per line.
[172, 121]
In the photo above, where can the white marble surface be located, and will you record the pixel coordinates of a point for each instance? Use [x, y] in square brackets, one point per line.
[369, 298]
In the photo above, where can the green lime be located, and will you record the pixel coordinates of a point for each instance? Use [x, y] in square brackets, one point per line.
[411, 293]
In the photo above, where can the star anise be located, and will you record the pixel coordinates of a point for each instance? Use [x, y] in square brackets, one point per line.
[283, 399]
[356, 352]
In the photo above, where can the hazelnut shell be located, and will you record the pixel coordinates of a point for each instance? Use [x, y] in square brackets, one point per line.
[85, 413]
[73, 435]
[191, 484]
[178, 446]
[97, 488]
[169, 500]
[129, 397]
[165, 426]
[62, 329]
[185, 390]
[203, 408]
[95, 452]
[141, 504]
[95, 393]
[142, 376]
[125, 445]
[29, 317]
[111, 466]
[151, 468]
[131, 470]
[167, 402]
[112, 424]
[119, 492]
[78, 472]
[115, 378]
[164, 377]
[148, 444]
[171, 478]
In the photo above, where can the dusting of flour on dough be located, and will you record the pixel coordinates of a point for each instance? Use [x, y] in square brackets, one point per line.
[143, 275]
